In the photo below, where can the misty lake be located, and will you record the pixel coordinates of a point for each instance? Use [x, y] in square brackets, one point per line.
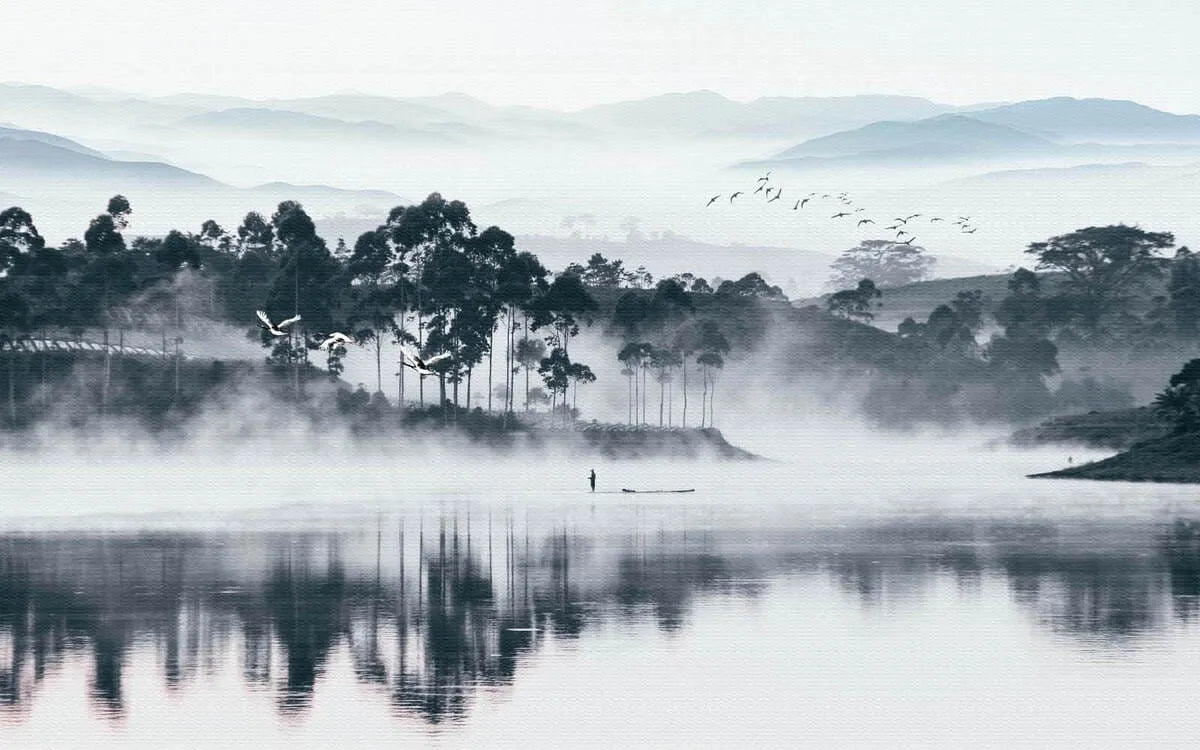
[906, 592]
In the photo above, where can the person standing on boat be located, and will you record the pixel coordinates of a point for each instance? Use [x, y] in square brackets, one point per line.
[592, 479]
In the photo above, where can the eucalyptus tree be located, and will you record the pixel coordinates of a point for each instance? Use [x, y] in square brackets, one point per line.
[555, 370]
[685, 343]
[577, 373]
[529, 352]
[371, 270]
[630, 355]
[563, 307]
[713, 346]
[307, 283]
[664, 360]
[19, 237]
[111, 270]
[119, 209]
[255, 234]
[520, 281]
[494, 255]
[433, 233]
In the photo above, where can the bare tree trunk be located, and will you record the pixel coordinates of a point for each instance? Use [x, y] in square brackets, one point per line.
[637, 394]
[644, 368]
[107, 373]
[400, 385]
[704, 397]
[712, 396]
[491, 356]
[684, 392]
[630, 384]
[378, 362]
[12, 387]
[671, 401]
[662, 384]
[442, 395]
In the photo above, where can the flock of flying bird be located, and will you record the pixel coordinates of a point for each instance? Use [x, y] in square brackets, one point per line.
[900, 224]
[409, 358]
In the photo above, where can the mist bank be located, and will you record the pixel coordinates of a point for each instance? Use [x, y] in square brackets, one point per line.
[171, 405]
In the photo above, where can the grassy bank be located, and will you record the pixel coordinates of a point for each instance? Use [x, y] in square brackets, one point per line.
[1168, 459]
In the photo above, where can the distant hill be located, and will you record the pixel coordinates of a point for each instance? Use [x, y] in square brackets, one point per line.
[1061, 128]
[60, 111]
[323, 192]
[709, 113]
[1105, 120]
[283, 124]
[18, 134]
[40, 162]
[942, 136]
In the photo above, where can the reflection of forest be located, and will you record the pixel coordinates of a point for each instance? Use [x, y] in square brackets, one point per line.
[429, 614]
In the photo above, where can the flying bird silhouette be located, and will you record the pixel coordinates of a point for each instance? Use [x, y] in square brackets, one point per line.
[775, 198]
[768, 193]
[796, 206]
[936, 218]
[909, 241]
[760, 188]
[911, 216]
[865, 221]
[839, 215]
[275, 330]
[334, 340]
[734, 196]
[806, 200]
[765, 177]
[421, 366]
[972, 230]
[712, 200]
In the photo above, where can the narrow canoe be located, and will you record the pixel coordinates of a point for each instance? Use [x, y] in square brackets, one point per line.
[654, 492]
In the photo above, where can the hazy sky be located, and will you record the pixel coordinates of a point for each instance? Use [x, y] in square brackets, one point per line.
[572, 53]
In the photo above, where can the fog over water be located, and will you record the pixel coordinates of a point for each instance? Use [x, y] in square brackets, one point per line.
[862, 589]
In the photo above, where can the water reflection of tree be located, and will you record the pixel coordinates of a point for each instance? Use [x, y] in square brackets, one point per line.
[460, 618]
[463, 611]
[1107, 582]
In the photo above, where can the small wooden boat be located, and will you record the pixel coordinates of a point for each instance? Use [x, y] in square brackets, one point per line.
[657, 492]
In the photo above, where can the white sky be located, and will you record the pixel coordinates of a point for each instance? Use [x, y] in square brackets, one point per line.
[567, 54]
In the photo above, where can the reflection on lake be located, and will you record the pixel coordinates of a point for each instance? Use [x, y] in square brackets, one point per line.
[426, 627]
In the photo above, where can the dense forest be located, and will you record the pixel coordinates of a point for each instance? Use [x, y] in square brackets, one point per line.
[427, 278]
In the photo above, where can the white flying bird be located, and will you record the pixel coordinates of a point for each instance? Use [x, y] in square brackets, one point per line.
[275, 330]
[334, 340]
[422, 366]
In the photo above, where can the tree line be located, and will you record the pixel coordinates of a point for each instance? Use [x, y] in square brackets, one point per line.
[427, 277]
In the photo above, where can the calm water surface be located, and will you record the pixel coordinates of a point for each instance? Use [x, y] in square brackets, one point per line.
[865, 602]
